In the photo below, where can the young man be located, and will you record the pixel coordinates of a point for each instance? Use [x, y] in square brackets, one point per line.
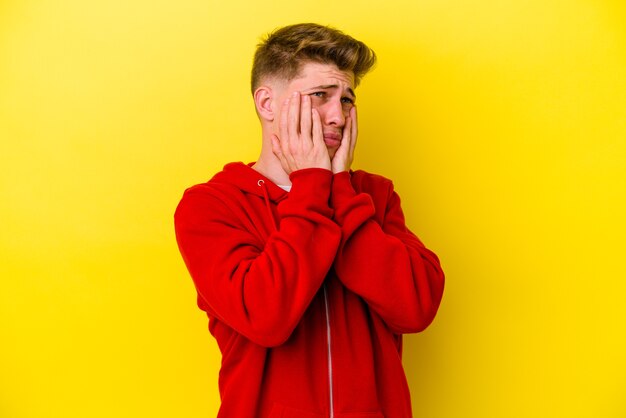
[306, 269]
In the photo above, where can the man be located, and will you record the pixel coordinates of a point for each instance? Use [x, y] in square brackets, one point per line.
[305, 268]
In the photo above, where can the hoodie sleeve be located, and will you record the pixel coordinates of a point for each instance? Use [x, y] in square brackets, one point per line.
[382, 261]
[261, 290]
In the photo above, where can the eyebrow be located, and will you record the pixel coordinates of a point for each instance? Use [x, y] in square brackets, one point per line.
[333, 86]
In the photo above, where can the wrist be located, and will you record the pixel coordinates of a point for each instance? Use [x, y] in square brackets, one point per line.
[340, 168]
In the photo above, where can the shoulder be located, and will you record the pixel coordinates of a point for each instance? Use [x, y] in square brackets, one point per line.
[215, 197]
[207, 192]
[371, 183]
[208, 189]
[199, 204]
[225, 185]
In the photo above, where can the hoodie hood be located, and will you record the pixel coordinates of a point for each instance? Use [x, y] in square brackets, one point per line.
[248, 180]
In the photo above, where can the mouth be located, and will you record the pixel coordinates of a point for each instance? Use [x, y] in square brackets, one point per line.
[332, 139]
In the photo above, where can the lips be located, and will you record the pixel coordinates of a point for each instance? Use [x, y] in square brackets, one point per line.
[332, 139]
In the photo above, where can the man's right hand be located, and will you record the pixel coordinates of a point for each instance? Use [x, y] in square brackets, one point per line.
[301, 142]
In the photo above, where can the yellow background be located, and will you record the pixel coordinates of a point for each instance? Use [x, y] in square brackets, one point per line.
[502, 123]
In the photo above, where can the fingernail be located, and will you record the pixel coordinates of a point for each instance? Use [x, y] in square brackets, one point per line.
[295, 94]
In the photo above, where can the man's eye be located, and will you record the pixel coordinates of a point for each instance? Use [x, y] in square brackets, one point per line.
[318, 93]
[347, 100]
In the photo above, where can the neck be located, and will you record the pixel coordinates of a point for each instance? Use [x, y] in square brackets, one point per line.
[269, 165]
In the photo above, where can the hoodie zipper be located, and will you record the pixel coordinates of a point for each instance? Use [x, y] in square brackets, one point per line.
[261, 183]
[330, 359]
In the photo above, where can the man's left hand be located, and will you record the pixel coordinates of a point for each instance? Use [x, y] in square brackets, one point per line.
[342, 160]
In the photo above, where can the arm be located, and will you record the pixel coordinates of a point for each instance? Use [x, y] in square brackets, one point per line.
[384, 262]
[261, 290]
[379, 258]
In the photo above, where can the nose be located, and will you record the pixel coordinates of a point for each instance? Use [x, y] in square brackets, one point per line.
[334, 114]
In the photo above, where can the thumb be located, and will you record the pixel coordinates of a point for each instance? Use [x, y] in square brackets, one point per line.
[276, 146]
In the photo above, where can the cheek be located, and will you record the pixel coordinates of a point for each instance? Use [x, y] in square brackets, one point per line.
[317, 104]
[276, 125]
[277, 116]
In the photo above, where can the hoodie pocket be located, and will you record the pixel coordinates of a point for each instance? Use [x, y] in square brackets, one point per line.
[282, 411]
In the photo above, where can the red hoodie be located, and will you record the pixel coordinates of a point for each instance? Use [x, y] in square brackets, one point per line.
[308, 292]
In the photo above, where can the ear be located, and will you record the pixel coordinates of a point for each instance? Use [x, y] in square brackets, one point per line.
[263, 100]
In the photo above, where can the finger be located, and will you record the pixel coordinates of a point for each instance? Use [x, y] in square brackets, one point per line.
[317, 131]
[276, 147]
[294, 118]
[355, 122]
[305, 118]
[284, 125]
[354, 130]
[284, 161]
[345, 140]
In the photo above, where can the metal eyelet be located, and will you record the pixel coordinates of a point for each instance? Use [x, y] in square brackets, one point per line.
[260, 182]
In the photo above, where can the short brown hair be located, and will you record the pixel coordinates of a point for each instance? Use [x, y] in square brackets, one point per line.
[282, 53]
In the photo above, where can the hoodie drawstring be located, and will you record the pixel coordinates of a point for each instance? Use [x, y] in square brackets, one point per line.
[266, 196]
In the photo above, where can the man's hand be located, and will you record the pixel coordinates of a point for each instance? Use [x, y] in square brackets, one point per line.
[344, 155]
[301, 142]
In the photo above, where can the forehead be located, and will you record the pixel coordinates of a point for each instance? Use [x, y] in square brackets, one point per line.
[314, 74]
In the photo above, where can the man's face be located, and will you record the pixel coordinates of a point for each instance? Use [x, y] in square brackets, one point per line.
[332, 95]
